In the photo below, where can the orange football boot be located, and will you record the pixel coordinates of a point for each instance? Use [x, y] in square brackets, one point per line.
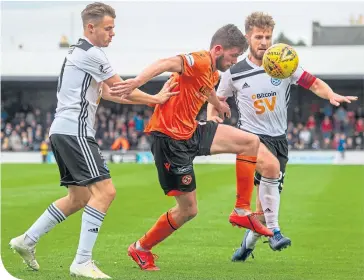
[250, 222]
[145, 259]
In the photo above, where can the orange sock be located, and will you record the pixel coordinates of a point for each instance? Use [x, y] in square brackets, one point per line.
[245, 169]
[163, 228]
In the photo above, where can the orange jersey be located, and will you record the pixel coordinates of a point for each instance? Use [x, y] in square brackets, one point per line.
[177, 117]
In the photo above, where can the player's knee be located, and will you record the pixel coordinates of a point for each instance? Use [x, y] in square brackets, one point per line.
[250, 146]
[192, 212]
[188, 212]
[105, 191]
[78, 202]
[270, 168]
[110, 193]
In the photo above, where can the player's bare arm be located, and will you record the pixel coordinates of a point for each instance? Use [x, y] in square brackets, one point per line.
[172, 64]
[219, 104]
[137, 96]
[212, 113]
[323, 90]
[105, 94]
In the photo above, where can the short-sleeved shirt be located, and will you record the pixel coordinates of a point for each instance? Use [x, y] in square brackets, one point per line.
[78, 91]
[261, 101]
[177, 117]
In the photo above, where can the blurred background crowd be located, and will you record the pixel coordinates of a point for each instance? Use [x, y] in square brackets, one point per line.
[25, 128]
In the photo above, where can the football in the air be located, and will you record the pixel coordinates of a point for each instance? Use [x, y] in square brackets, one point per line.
[280, 61]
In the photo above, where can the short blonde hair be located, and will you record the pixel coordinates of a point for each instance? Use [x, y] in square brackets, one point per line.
[260, 20]
[95, 12]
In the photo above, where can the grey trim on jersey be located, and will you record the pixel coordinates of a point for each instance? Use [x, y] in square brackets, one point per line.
[82, 132]
[83, 44]
[241, 66]
[61, 75]
[248, 75]
[288, 94]
[239, 123]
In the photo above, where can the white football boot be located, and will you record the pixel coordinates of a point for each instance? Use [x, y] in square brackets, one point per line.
[26, 252]
[87, 269]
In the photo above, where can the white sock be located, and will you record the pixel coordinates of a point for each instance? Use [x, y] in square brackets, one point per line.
[270, 199]
[252, 239]
[48, 220]
[91, 223]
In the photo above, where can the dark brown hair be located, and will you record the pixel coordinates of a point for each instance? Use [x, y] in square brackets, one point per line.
[229, 36]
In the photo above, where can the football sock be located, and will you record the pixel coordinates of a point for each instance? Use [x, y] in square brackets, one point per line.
[91, 222]
[270, 199]
[252, 239]
[48, 220]
[163, 228]
[245, 169]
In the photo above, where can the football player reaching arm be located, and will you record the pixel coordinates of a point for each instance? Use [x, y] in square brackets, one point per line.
[212, 112]
[139, 97]
[136, 96]
[172, 64]
[323, 90]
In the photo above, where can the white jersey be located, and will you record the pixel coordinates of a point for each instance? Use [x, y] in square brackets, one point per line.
[261, 101]
[78, 91]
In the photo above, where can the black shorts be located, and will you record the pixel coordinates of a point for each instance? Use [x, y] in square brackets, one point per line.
[79, 160]
[174, 158]
[278, 146]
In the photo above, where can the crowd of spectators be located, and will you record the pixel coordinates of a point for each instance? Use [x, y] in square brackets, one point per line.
[324, 127]
[121, 128]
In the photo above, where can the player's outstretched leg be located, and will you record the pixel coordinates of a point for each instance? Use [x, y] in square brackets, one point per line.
[169, 222]
[278, 241]
[268, 192]
[245, 145]
[245, 169]
[56, 213]
[102, 195]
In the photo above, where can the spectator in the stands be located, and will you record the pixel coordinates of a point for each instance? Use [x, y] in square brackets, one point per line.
[121, 143]
[15, 141]
[305, 137]
[326, 127]
[359, 126]
[139, 123]
[133, 139]
[143, 144]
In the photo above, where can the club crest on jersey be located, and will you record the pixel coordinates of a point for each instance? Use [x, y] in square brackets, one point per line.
[102, 70]
[275, 82]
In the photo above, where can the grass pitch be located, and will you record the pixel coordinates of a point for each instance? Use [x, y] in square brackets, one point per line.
[321, 211]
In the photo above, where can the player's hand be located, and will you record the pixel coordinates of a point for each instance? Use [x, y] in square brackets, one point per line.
[224, 109]
[166, 92]
[124, 88]
[217, 119]
[336, 99]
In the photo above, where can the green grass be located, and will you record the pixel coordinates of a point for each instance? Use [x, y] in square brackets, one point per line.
[321, 211]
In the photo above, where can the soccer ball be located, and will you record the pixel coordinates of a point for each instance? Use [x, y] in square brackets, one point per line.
[280, 61]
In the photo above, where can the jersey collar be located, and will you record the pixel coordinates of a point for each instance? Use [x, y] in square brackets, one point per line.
[86, 39]
[252, 64]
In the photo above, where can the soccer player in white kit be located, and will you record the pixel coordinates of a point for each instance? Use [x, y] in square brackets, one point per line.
[85, 77]
[262, 104]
